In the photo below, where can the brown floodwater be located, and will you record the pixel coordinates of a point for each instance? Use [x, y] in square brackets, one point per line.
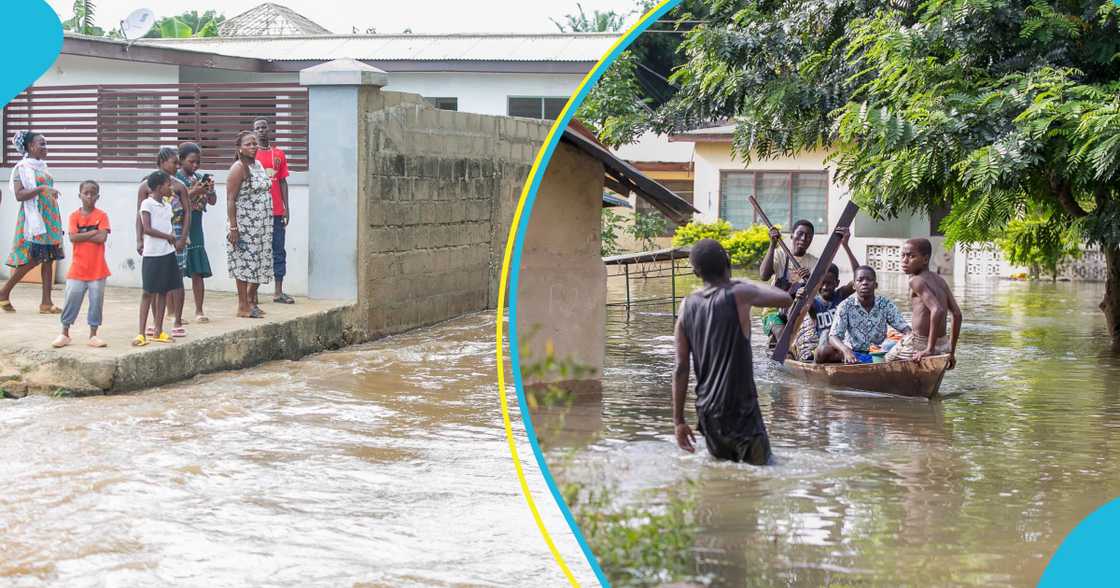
[976, 489]
[384, 464]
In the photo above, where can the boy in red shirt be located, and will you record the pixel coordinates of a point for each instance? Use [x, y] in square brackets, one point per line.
[276, 164]
[89, 228]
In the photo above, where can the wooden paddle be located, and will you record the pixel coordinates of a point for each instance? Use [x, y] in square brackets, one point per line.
[769, 225]
[799, 308]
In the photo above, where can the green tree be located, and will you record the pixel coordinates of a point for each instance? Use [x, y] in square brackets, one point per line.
[596, 22]
[610, 227]
[188, 24]
[992, 107]
[646, 227]
[83, 20]
[1040, 244]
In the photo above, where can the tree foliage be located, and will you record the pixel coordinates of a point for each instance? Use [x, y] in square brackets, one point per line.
[186, 25]
[1039, 244]
[596, 22]
[83, 20]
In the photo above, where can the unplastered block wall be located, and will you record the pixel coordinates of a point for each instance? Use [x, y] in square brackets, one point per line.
[437, 191]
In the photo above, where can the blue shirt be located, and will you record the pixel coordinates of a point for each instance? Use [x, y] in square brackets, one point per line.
[860, 328]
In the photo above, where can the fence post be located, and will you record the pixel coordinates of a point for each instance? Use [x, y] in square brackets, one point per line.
[334, 122]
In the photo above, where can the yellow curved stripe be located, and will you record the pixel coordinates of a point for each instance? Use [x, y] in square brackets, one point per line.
[504, 282]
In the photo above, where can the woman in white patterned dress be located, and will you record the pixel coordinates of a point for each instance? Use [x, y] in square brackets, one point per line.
[249, 210]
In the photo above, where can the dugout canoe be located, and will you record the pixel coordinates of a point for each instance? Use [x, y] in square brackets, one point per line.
[901, 378]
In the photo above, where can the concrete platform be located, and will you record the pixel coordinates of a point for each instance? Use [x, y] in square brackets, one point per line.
[28, 363]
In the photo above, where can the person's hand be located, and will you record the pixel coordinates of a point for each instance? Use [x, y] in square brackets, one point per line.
[845, 234]
[685, 438]
[775, 235]
[140, 246]
[850, 357]
[171, 240]
[920, 355]
[952, 361]
[285, 218]
[233, 236]
[197, 190]
[802, 274]
[180, 245]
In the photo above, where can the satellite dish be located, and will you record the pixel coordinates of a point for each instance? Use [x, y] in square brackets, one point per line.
[138, 24]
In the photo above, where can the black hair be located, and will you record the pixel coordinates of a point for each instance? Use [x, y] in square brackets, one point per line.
[82, 186]
[261, 118]
[237, 143]
[157, 179]
[923, 245]
[188, 148]
[166, 153]
[867, 268]
[834, 270]
[806, 224]
[23, 139]
[709, 259]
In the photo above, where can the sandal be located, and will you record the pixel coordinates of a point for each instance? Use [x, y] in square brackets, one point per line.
[201, 318]
[6, 306]
[164, 338]
[97, 342]
[284, 299]
[150, 331]
[61, 341]
[139, 341]
[256, 313]
[260, 312]
[49, 309]
[178, 332]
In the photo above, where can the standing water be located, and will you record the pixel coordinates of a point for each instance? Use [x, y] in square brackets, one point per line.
[382, 465]
[979, 488]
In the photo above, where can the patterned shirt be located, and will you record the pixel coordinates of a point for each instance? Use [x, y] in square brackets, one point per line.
[860, 329]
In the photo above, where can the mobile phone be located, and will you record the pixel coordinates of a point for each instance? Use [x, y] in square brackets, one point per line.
[206, 177]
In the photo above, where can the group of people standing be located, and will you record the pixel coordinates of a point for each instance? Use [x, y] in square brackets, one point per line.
[846, 323]
[171, 202]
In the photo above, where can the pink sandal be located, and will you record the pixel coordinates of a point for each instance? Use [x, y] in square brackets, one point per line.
[178, 332]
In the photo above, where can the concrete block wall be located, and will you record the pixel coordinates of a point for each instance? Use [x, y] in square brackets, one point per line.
[437, 191]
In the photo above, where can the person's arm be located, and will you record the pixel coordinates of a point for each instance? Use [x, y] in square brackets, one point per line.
[211, 194]
[686, 439]
[233, 186]
[957, 318]
[896, 320]
[75, 236]
[146, 221]
[937, 313]
[846, 234]
[836, 335]
[761, 295]
[184, 201]
[766, 270]
[25, 194]
[282, 174]
[141, 194]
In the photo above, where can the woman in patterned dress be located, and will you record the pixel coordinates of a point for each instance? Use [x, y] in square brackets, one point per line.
[38, 238]
[249, 214]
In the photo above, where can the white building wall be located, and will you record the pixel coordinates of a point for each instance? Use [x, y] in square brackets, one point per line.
[118, 199]
[654, 147]
[75, 70]
[484, 93]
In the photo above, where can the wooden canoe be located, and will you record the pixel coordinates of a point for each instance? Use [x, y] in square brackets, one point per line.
[901, 378]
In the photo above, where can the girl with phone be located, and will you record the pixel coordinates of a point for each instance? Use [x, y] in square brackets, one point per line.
[200, 190]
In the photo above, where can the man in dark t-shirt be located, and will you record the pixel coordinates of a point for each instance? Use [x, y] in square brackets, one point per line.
[714, 331]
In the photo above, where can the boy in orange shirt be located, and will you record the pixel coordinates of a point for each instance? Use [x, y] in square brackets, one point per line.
[89, 229]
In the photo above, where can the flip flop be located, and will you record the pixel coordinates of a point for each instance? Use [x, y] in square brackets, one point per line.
[164, 338]
[150, 332]
[178, 332]
[256, 313]
[284, 299]
[201, 318]
[258, 310]
[6, 306]
[97, 342]
[49, 309]
[139, 341]
[61, 341]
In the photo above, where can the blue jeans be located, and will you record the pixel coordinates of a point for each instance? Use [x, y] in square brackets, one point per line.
[75, 292]
[279, 256]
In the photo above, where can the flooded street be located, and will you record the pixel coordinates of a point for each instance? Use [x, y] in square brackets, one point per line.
[384, 464]
[977, 489]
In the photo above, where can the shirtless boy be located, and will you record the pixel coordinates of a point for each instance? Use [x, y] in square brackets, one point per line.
[931, 300]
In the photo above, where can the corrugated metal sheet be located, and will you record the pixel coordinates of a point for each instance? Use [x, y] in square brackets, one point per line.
[488, 47]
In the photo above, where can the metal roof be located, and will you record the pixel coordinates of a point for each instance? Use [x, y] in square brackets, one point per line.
[270, 19]
[562, 47]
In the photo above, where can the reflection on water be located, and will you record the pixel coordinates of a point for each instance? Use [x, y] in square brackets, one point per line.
[977, 489]
[385, 465]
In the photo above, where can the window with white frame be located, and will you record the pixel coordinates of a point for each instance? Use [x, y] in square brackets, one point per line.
[543, 107]
[785, 197]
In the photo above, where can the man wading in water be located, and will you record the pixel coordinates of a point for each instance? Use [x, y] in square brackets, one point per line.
[714, 328]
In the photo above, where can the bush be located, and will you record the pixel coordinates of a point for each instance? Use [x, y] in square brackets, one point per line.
[747, 247]
[610, 227]
[695, 231]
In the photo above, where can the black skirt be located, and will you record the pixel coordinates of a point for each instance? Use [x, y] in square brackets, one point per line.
[161, 274]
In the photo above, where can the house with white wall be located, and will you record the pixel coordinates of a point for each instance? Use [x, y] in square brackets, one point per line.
[521, 75]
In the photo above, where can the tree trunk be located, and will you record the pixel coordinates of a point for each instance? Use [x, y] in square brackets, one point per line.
[1111, 303]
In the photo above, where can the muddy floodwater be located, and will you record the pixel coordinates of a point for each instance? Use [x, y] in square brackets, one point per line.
[976, 489]
[381, 465]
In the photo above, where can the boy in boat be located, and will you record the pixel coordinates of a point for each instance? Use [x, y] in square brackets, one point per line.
[861, 321]
[931, 301]
[714, 331]
[812, 339]
[779, 270]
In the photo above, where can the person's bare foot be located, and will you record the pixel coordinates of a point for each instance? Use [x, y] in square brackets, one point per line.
[61, 341]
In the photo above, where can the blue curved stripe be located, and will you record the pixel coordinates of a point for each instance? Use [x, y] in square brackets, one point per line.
[515, 277]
